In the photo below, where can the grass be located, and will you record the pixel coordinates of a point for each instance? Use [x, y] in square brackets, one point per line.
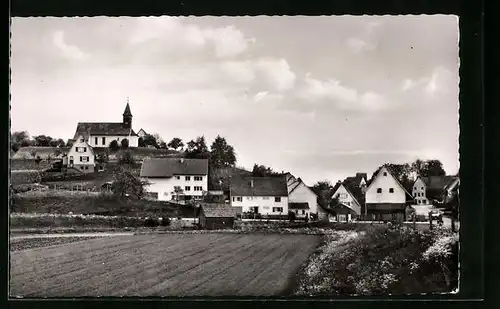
[162, 265]
[382, 260]
[24, 244]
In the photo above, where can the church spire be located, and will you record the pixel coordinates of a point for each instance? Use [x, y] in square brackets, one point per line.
[127, 111]
[127, 116]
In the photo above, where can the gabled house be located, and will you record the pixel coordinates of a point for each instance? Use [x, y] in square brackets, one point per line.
[142, 133]
[301, 199]
[428, 190]
[348, 207]
[386, 198]
[217, 216]
[101, 134]
[81, 156]
[260, 195]
[175, 179]
[360, 180]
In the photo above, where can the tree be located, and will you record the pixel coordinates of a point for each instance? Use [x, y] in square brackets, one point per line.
[426, 168]
[324, 191]
[70, 143]
[19, 139]
[163, 145]
[197, 149]
[125, 183]
[126, 158]
[124, 143]
[263, 171]
[141, 142]
[158, 139]
[57, 152]
[102, 158]
[151, 140]
[113, 146]
[43, 140]
[222, 154]
[178, 192]
[38, 159]
[175, 143]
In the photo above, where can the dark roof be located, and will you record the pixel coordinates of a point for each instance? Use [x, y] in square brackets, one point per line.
[43, 152]
[343, 209]
[262, 186]
[168, 167]
[127, 111]
[298, 205]
[438, 182]
[220, 210]
[102, 128]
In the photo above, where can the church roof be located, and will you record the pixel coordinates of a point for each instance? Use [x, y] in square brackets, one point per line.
[127, 111]
[102, 128]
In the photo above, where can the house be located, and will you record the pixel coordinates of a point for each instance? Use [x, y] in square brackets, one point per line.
[301, 199]
[427, 190]
[81, 156]
[386, 198]
[360, 180]
[141, 133]
[348, 207]
[260, 195]
[175, 179]
[217, 216]
[101, 134]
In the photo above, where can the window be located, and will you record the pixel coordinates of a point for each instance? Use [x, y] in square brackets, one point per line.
[422, 188]
[103, 141]
[84, 149]
[177, 187]
[303, 212]
[82, 140]
[86, 167]
[188, 178]
[239, 199]
[425, 201]
[187, 188]
[391, 190]
[348, 203]
[379, 190]
[414, 194]
[234, 198]
[414, 188]
[385, 173]
[277, 209]
[177, 177]
[81, 159]
[198, 178]
[71, 157]
[277, 199]
[198, 188]
[96, 140]
[418, 201]
[81, 167]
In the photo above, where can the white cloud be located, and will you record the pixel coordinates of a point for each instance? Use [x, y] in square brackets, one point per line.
[240, 71]
[358, 45]
[408, 84]
[68, 51]
[259, 96]
[277, 73]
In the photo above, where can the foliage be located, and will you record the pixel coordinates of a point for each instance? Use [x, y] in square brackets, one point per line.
[263, 171]
[324, 191]
[126, 183]
[70, 143]
[197, 149]
[102, 158]
[178, 192]
[157, 138]
[163, 145]
[212, 198]
[151, 140]
[19, 139]
[428, 168]
[124, 143]
[151, 222]
[141, 142]
[221, 153]
[42, 140]
[175, 143]
[57, 143]
[57, 152]
[113, 146]
[38, 159]
[23, 220]
[126, 157]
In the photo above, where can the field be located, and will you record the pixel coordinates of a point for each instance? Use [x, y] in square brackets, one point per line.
[163, 265]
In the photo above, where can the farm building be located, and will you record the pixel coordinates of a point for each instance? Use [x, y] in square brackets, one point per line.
[426, 190]
[101, 134]
[260, 195]
[386, 198]
[301, 198]
[176, 179]
[349, 206]
[81, 156]
[217, 216]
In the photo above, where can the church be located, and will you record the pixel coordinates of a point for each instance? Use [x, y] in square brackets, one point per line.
[101, 134]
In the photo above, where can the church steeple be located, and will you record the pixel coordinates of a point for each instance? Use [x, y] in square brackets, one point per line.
[127, 116]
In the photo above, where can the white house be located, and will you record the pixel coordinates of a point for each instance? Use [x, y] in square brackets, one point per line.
[349, 207]
[301, 199]
[101, 134]
[260, 195]
[81, 156]
[175, 179]
[426, 190]
[142, 133]
[386, 198]
[418, 192]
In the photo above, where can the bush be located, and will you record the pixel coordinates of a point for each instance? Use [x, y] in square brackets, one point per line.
[151, 222]
[124, 143]
[113, 146]
[165, 221]
[126, 157]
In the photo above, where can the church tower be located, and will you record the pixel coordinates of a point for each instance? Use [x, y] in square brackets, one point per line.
[127, 117]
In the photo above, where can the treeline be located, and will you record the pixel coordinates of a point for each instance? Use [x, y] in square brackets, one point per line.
[20, 139]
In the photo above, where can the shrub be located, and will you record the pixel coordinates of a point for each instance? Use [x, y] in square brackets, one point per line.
[113, 146]
[165, 221]
[124, 143]
[151, 222]
[126, 157]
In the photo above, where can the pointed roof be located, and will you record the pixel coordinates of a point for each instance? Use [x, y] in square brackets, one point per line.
[339, 185]
[127, 111]
[408, 195]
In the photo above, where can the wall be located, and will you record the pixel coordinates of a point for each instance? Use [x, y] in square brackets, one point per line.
[418, 192]
[265, 204]
[133, 141]
[347, 199]
[165, 186]
[76, 155]
[385, 182]
[303, 194]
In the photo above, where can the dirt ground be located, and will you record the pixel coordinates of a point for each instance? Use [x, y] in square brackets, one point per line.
[162, 265]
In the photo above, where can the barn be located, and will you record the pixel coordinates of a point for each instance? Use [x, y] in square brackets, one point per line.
[217, 216]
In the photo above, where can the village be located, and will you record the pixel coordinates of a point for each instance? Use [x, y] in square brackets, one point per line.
[276, 196]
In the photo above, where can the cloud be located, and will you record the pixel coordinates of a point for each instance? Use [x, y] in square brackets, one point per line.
[259, 96]
[440, 81]
[277, 72]
[68, 51]
[358, 45]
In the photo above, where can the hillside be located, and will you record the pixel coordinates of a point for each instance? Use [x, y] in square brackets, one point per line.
[219, 178]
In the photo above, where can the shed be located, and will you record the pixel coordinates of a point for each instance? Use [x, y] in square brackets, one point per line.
[217, 216]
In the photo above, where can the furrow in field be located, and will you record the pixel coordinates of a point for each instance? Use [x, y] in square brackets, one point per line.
[88, 271]
[169, 279]
[131, 271]
[171, 269]
[226, 283]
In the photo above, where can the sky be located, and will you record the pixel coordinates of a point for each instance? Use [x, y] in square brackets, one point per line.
[321, 97]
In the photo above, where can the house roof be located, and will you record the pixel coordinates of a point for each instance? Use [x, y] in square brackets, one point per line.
[408, 195]
[220, 210]
[142, 131]
[438, 182]
[262, 186]
[356, 180]
[337, 186]
[43, 152]
[168, 167]
[343, 209]
[304, 205]
[102, 128]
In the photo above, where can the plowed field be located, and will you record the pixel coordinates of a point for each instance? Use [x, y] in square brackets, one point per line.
[162, 265]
